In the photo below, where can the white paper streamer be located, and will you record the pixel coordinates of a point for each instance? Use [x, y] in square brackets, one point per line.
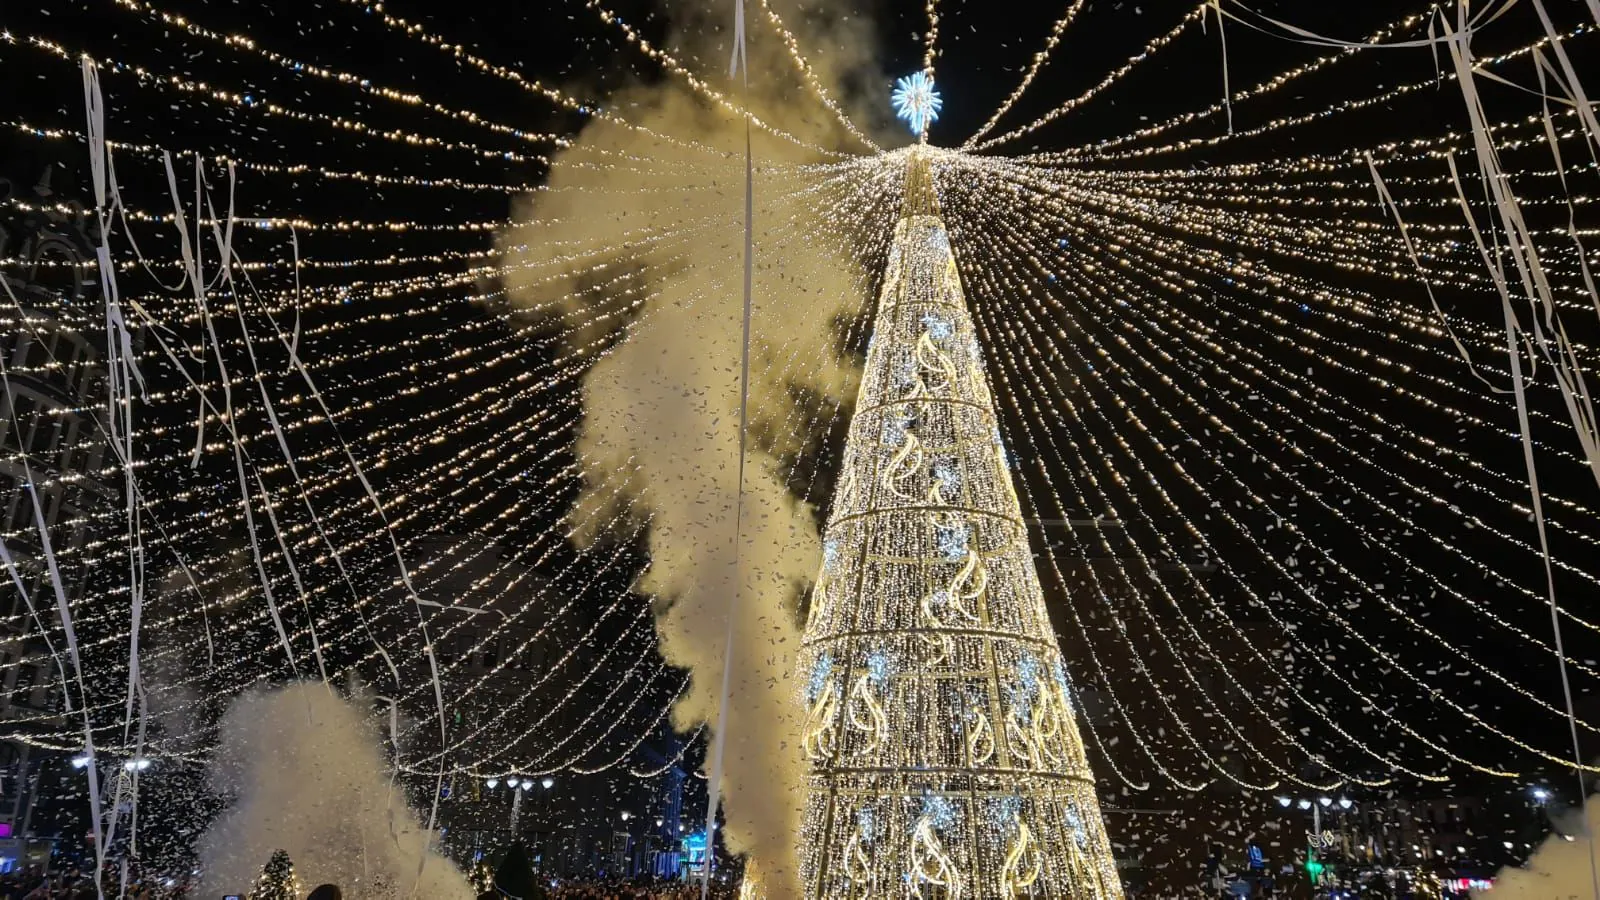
[1388, 202]
[1535, 288]
[197, 281]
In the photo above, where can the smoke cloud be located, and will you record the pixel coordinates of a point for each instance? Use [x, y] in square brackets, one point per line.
[660, 327]
[306, 771]
[1560, 868]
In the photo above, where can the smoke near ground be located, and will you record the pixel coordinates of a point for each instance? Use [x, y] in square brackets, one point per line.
[659, 436]
[1560, 868]
[306, 771]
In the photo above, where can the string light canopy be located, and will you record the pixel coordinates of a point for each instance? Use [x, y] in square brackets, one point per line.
[1223, 395]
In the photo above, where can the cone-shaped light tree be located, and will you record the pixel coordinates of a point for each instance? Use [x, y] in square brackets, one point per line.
[944, 758]
[277, 880]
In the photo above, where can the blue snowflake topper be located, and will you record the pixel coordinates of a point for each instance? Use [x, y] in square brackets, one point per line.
[916, 101]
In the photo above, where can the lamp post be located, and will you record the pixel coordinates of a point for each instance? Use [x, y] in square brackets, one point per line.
[517, 787]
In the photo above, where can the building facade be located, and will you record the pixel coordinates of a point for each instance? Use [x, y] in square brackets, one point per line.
[52, 461]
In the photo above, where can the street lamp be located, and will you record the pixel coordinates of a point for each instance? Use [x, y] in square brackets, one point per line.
[1285, 801]
[1345, 802]
[492, 783]
[512, 782]
[548, 783]
[1540, 794]
[1325, 801]
[1305, 804]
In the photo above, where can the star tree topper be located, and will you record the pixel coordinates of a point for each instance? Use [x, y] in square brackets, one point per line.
[916, 101]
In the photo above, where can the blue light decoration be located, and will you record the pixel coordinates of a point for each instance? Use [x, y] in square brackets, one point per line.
[938, 327]
[916, 101]
[952, 541]
[820, 671]
[1025, 690]
[1075, 822]
[1003, 815]
[694, 850]
[940, 811]
[905, 375]
[879, 667]
[867, 822]
[896, 426]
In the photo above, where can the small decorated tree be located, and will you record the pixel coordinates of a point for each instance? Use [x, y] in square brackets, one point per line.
[277, 881]
[515, 876]
[482, 877]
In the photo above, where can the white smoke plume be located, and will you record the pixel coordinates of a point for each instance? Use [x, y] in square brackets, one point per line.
[1560, 868]
[662, 326]
[306, 771]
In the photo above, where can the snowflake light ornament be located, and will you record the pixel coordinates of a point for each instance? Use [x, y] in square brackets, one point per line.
[821, 670]
[940, 811]
[916, 101]
[952, 541]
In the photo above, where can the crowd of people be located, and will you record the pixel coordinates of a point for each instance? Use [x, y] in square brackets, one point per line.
[671, 890]
[30, 884]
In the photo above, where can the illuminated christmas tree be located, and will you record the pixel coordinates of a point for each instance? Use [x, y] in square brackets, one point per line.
[277, 881]
[944, 758]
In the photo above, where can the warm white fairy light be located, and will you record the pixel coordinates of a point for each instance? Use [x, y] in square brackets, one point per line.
[1002, 251]
[791, 43]
[1299, 234]
[1195, 15]
[1038, 62]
